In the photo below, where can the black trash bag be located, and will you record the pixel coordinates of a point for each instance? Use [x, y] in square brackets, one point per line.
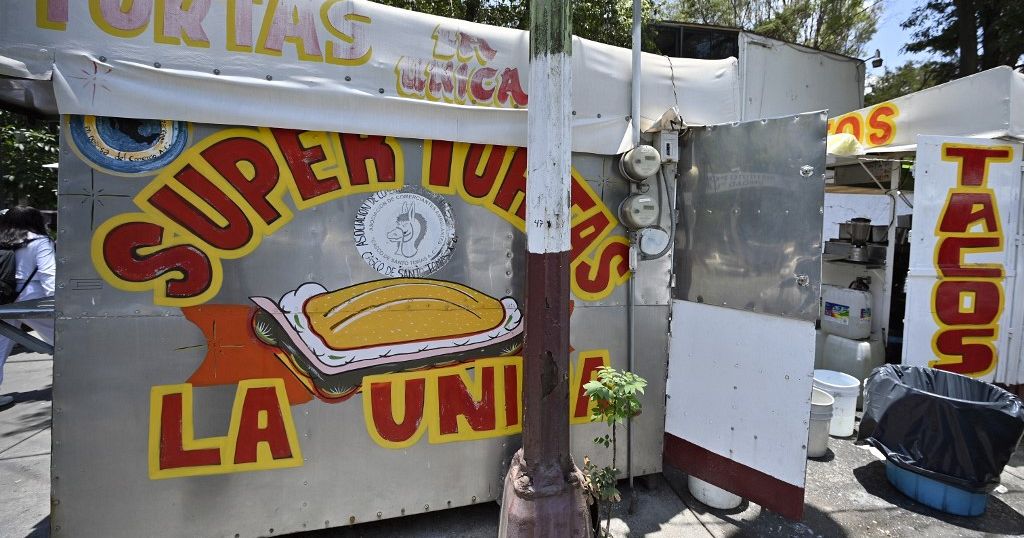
[946, 426]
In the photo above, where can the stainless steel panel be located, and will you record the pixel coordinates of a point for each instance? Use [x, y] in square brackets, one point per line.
[113, 346]
[750, 202]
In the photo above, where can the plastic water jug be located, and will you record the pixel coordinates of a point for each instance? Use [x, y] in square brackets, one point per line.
[845, 312]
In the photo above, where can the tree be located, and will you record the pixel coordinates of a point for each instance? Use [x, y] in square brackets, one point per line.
[840, 26]
[968, 36]
[607, 21]
[25, 146]
[909, 78]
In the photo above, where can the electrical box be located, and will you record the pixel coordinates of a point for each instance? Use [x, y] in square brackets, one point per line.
[638, 211]
[668, 146]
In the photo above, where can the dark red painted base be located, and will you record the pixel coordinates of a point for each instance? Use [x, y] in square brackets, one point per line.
[751, 484]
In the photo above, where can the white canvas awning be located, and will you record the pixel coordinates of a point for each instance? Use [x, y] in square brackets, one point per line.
[989, 104]
[347, 65]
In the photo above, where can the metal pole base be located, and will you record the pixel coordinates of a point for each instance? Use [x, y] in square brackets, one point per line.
[559, 511]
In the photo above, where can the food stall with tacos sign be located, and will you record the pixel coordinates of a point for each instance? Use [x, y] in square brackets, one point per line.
[949, 158]
[291, 267]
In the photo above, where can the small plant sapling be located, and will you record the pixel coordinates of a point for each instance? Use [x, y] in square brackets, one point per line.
[616, 399]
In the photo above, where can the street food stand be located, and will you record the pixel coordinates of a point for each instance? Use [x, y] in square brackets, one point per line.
[291, 278]
[963, 297]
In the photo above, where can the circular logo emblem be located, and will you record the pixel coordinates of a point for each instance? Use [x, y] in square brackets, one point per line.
[124, 146]
[404, 234]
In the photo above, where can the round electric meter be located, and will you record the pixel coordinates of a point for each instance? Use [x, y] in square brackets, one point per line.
[640, 163]
[638, 211]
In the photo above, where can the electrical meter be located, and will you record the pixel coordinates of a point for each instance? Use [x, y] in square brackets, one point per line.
[638, 211]
[640, 163]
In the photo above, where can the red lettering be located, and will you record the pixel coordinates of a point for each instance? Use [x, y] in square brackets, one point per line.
[984, 303]
[225, 157]
[511, 395]
[478, 185]
[300, 160]
[236, 233]
[960, 213]
[975, 357]
[120, 253]
[850, 124]
[882, 129]
[513, 185]
[973, 166]
[580, 197]
[949, 256]
[478, 88]
[510, 88]
[261, 401]
[614, 258]
[588, 374]
[440, 163]
[383, 416]
[454, 399]
[584, 233]
[173, 454]
[363, 153]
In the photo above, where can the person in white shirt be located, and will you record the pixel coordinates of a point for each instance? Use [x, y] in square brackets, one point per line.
[23, 229]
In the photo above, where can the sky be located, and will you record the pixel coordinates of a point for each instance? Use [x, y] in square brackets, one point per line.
[890, 38]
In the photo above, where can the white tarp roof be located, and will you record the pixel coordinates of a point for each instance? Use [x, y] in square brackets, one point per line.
[347, 65]
[989, 104]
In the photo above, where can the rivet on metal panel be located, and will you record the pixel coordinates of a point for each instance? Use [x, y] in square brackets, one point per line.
[474, 498]
[426, 507]
[380, 90]
[573, 112]
[508, 254]
[271, 531]
[156, 65]
[628, 118]
[508, 273]
[216, 71]
[138, 311]
[348, 78]
[449, 504]
[755, 437]
[380, 515]
[270, 77]
[103, 58]
[351, 520]
[806, 170]
[599, 115]
[305, 504]
[305, 482]
[403, 511]
[821, 210]
[508, 291]
[327, 523]
[803, 447]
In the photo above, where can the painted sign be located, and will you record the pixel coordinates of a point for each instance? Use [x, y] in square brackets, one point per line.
[320, 60]
[965, 208]
[874, 126]
[431, 357]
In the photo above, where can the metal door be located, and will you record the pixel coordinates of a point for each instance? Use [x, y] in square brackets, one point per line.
[745, 298]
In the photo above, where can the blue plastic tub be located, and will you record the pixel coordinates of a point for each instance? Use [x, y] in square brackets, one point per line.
[935, 494]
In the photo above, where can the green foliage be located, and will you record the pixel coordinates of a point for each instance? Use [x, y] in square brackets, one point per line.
[25, 146]
[607, 21]
[616, 398]
[840, 26]
[617, 395]
[908, 78]
[967, 36]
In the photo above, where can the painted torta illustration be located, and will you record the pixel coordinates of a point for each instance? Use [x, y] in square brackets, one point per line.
[331, 339]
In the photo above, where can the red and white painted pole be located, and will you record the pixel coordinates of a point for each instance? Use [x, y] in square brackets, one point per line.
[542, 495]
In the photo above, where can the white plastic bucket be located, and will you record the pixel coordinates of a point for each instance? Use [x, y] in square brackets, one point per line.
[712, 495]
[821, 418]
[844, 388]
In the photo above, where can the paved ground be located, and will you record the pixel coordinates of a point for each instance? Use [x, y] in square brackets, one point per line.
[847, 493]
